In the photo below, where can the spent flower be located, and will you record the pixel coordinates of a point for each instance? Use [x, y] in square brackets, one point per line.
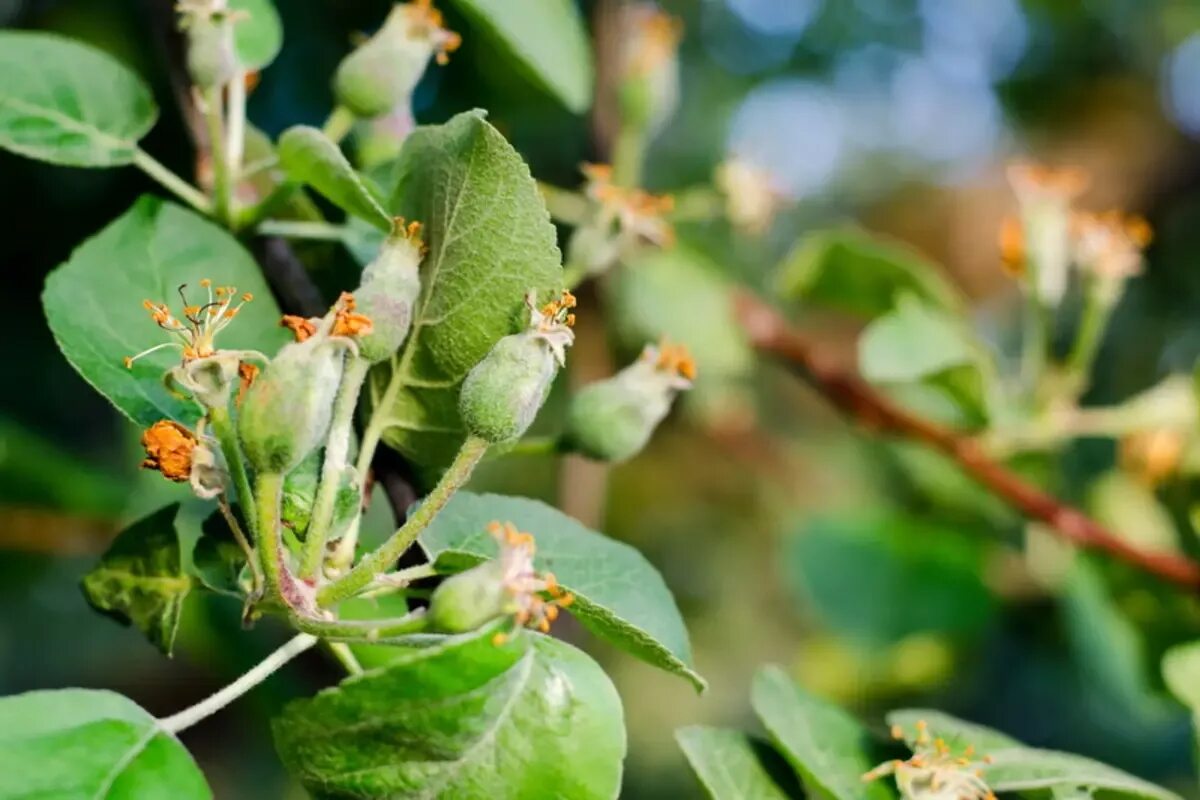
[1043, 241]
[1108, 246]
[752, 196]
[649, 66]
[621, 220]
[935, 771]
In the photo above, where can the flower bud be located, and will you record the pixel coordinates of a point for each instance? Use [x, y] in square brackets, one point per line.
[465, 601]
[390, 285]
[504, 392]
[382, 73]
[211, 55]
[612, 420]
[649, 87]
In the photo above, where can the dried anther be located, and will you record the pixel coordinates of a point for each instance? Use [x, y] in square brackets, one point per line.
[347, 322]
[636, 214]
[169, 449]
[300, 327]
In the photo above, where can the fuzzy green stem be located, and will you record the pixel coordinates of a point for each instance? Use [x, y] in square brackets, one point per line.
[345, 656]
[337, 447]
[235, 143]
[293, 229]
[532, 446]
[1035, 345]
[244, 543]
[269, 486]
[1096, 312]
[376, 563]
[223, 427]
[629, 154]
[399, 580]
[362, 630]
[171, 182]
[339, 123]
[222, 191]
[264, 669]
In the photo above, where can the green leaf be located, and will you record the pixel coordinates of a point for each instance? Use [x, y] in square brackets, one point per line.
[619, 596]
[462, 717]
[957, 733]
[1025, 769]
[913, 576]
[860, 273]
[140, 580]
[545, 39]
[217, 560]
[728, 763]
[490, 242]
[1181, 671]
[72, 744]
[826, 746]
[308, 156]
[1015, 768]
[68, 103]
[259, 36]
[94, 303]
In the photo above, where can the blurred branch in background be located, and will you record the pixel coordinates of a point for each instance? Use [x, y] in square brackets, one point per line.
[771, 334]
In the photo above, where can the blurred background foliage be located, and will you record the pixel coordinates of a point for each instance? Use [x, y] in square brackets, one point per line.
[874, 572]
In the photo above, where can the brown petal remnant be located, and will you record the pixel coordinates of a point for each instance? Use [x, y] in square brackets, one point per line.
[169, 448]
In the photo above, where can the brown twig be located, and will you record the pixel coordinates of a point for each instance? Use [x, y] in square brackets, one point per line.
[772, 334]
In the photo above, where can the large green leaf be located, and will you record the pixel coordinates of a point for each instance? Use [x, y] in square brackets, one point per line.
[94, 303]
[462, 717]
[728, 763]
[545, 39]
[1016, 768]
[309, 156]
[141, 581]
[490, 242]
[912, 576]
[259, 35]
[825, 745]
[67, 103]
[77, 744]
[854, 271]
[619, 595]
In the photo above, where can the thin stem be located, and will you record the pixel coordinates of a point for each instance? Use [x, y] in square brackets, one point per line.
[336, 449]
[222, 200]
[171, 182]
[398, 580]
[222, 425]
[374, 564]
[629, 154]
[379, 416]
[565, 205]
[360, 630]
[289, 229]
[269, 486]
[532, 446]
[211, 705]
[339, 123]
[244, 543]
[345, 656]
[235, 143]
[1035, 344]
[1096, 312]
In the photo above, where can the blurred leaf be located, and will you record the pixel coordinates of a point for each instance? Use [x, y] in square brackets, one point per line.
[93, 303]
[854, 271]
[910, 576]
[490, 242]
[259, 36]
[1181, 671]
[141, 581]
[84, 743]
[826, 746]
[916, 342]
[462, 717]
[68, 103]
[619, 596]
[308, 156]
[1126, 505]
[957, 733]
[545, 39]
[726, 763]
[217, 559]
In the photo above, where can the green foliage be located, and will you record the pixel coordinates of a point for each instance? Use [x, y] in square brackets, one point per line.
[67, 103]
[825, 745]
[93, 303]
[258, 36]
[860, 273]
[308, 156]
[462, 717]
[545, 40]
[490, 242]
[958, 734]
[77, 743]
[141, 581]
[913, 576]
[619, 596]
[728, 763]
